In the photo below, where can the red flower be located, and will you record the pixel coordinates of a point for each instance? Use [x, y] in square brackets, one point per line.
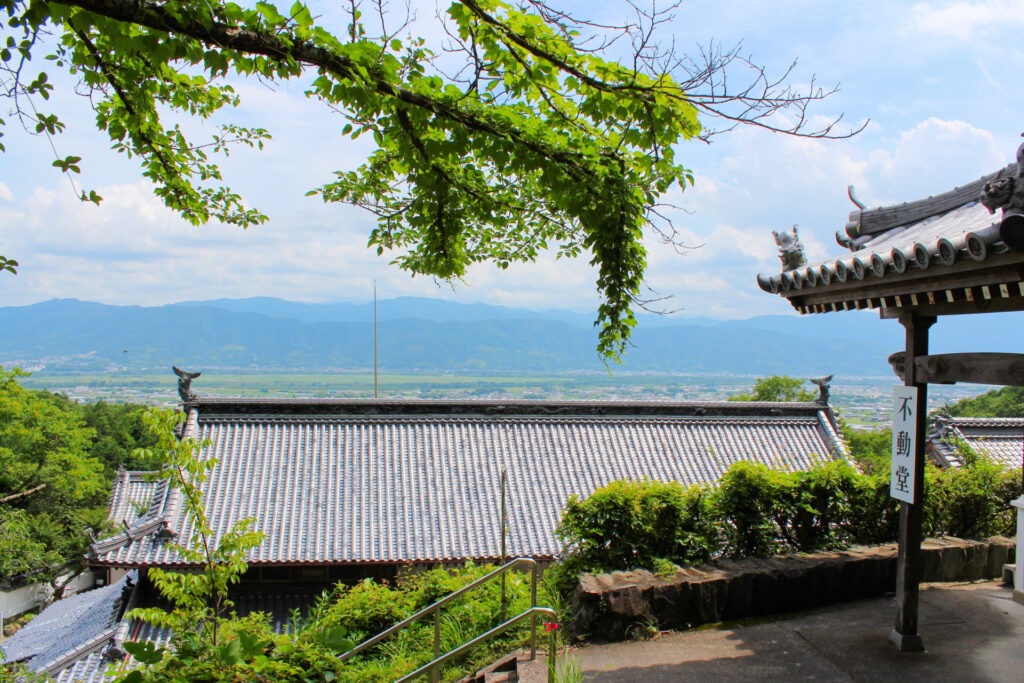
[550, 626]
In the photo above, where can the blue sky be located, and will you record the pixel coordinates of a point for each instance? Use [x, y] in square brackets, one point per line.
[939, 82]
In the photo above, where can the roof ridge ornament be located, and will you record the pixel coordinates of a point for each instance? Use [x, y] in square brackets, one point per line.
[823, 384]
[852, 194]
[791, 252]
[1007, 193]
[185, 383]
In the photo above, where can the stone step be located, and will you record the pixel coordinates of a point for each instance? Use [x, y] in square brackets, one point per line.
[505, 670]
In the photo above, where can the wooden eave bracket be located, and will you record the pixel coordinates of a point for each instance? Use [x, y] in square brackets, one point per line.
[1002, 369]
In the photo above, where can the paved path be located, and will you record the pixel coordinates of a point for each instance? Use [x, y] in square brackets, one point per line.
[971, 632]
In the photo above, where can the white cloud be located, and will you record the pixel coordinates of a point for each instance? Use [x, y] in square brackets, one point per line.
[932, 157]
[965, 21]
[944, 112]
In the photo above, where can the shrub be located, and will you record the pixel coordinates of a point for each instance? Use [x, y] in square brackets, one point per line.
[631, 523]
[752, 502]
[827, 506]
[365, 609]
[756, 512]
[971, 501]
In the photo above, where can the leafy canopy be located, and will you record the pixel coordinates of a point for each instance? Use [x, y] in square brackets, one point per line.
[1005, 402]
[776, 388]
[50, 487]
[526, 138]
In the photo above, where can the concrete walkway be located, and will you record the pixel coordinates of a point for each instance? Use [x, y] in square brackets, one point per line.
[971, 632]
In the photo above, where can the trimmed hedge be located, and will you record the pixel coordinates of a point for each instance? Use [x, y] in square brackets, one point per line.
[759, 512]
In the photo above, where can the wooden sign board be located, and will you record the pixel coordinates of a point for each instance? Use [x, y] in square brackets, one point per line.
[904, 446]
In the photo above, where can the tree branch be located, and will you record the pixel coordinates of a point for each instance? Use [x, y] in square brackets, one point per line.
[22, 494]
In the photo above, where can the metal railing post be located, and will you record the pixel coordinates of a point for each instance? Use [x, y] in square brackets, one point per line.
[552, 654]
[435, 675]
[533, 617]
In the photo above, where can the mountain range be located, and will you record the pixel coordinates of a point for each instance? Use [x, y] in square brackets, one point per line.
[437, 336]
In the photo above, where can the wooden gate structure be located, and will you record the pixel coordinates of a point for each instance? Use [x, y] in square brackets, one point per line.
[958, 253]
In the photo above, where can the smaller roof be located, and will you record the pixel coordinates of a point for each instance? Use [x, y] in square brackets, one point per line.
[1001, 439]
[72, 633]
[943, 253]
[132, 496]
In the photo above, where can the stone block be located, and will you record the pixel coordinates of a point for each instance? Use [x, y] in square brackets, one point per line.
[606, 606]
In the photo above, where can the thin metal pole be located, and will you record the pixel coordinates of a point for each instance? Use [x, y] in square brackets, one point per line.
[532, 616]
[552, 656]
[376, 385]
[435, 674]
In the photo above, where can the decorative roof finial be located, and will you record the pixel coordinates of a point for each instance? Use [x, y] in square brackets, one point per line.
[823, 384]
[852, 194]
[791, 252]
[1007, 193]
[185, 384]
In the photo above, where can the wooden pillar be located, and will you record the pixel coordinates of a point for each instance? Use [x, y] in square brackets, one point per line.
[908, 568]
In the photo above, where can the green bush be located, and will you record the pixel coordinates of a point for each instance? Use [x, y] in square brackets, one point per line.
[757, 512]
[829, 503]
[631, 523]
[365, 609]
[970, 501]
[753, 502]
[875, 515]
[369, 607]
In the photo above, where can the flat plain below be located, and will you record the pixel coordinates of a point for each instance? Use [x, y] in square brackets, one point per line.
[861, 401]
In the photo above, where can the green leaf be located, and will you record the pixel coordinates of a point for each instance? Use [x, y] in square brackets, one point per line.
[144, 651]
[301, 15]
[229, 653]
[337, 640]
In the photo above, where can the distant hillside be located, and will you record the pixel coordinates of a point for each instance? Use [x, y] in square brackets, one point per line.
[437, 336]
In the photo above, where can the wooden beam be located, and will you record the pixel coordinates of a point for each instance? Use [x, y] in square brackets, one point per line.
[999, 269]
[949, 306]
[1004, 369]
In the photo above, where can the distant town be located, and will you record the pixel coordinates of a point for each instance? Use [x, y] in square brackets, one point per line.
[862, 402]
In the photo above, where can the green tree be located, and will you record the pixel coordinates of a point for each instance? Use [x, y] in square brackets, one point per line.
[203, 636]
[44, 443]
[23, 553]
[870, 449]
[1005, 402]
[776, 388]
[50, 488]
[537, 139]
[120, 435]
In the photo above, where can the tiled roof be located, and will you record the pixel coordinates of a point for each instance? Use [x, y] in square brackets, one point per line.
[1000, 439]
[93, 668]
[410, 481]
[906, 256]
[70, 631]
[132, 496]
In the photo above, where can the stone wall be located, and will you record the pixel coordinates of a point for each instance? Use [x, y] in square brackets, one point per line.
[610, 606]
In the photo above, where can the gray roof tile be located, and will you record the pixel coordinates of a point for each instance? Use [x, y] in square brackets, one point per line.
[1000, 439]
[406, 484]
[69, 629]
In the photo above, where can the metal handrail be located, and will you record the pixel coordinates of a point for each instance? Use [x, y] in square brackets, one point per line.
[435, 664]
[435, 609]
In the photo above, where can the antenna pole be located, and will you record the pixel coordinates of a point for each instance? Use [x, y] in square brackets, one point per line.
[376, 383]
